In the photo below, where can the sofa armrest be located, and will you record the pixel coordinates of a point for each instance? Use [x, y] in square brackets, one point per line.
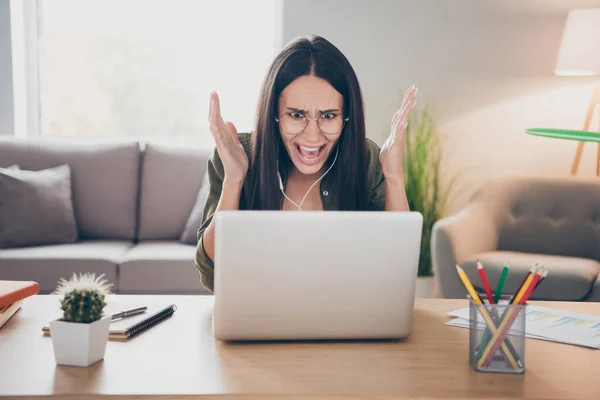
[457, 238]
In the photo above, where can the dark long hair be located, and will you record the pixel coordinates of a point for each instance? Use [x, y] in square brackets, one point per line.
[312, 55]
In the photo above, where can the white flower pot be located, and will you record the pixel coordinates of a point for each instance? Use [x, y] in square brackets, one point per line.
[425, 287]
[79, 344]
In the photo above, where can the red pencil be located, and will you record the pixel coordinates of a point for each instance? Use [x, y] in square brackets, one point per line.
[486, 284]
[536, 279]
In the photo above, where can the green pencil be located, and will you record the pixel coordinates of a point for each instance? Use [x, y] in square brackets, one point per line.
[500, 284]
[497, 295]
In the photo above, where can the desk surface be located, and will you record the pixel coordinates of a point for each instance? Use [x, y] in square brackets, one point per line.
[179, 358]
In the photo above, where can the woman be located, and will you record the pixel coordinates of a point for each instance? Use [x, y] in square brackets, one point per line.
[309, 130]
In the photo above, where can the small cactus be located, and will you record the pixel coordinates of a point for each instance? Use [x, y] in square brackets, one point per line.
[83, 298]
[82, 306]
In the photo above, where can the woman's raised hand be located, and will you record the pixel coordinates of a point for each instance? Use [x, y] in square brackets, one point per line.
[231, 151]
[392, 151]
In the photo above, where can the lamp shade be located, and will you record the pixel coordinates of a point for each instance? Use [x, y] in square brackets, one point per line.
[579, 52]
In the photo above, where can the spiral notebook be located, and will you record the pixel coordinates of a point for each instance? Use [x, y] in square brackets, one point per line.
[125, 328]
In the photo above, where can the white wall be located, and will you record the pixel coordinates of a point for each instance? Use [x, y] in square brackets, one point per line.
[486, 67]
[6, 87]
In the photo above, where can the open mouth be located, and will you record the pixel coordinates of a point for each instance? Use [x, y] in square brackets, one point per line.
[310, 155]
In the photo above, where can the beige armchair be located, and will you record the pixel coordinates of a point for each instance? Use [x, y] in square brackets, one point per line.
[553, 222]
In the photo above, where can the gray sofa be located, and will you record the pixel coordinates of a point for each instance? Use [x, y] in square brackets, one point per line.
[131, 201]
[523, 221]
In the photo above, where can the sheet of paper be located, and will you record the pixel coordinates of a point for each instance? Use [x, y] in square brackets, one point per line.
[464, 323]
[550, 324]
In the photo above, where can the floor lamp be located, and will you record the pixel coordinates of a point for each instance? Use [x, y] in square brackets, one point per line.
[579, 55]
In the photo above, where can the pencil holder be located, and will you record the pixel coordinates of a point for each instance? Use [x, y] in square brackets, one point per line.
[497, 336]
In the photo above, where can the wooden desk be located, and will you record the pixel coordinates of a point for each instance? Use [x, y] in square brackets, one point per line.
[180, 359]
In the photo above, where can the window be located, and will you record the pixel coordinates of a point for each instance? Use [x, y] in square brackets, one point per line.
[146, 67]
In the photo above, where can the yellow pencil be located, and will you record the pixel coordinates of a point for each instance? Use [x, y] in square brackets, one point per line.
[506, 318]
[526, 284]
[488, 320]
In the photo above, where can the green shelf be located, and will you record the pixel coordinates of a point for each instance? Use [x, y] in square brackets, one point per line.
[581, 136]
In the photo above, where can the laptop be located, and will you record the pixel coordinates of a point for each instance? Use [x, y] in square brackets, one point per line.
[315, 275]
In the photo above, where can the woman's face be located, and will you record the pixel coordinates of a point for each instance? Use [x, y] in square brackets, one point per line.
[315, 98]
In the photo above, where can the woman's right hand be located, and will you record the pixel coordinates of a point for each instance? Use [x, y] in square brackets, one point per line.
[231, 151]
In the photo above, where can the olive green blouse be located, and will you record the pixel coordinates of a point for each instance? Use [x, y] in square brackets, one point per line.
[215, 173]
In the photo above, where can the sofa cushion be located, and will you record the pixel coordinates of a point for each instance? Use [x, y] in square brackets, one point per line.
[192, 226]
[170, 180]
[104, 179]
[36, 207]
[160, 267]
[47, 264]
[569, 278]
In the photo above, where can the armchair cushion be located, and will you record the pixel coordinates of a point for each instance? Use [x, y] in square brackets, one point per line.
[553, 221]
[456, 238]
[552, 216]
[569, 278]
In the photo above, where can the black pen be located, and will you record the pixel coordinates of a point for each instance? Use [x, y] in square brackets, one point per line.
[129, 313]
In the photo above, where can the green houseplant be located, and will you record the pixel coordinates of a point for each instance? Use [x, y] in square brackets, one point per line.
[422, 165]
[79, 338]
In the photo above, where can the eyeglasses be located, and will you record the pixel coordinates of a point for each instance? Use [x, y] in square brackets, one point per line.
[295, 123]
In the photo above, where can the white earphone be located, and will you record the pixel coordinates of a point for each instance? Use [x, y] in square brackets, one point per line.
[310, 188]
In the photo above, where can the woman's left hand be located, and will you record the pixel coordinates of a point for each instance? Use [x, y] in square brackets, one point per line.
[392, 151]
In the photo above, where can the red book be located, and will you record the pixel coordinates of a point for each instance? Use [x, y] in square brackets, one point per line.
[13, 291]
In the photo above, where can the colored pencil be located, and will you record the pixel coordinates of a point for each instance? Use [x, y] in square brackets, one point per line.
[484, 281]
[523, 289]
[485, 337]
[542, 278]
[500, 287]
[534, 284]
[488, 320]
[519, 292]
[528, 276]
[509, 318]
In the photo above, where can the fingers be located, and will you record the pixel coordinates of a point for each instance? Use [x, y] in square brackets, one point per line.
[402, 117]
[402, 121]
[396, 116]
[215, 108]
[407, 110]
[217, 126]
[409, 96]
[408, 105]
[214, 113]
[406, 94]
[399, 128]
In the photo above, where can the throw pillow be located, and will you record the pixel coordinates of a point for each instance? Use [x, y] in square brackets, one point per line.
[190, 232]
[36, 207]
